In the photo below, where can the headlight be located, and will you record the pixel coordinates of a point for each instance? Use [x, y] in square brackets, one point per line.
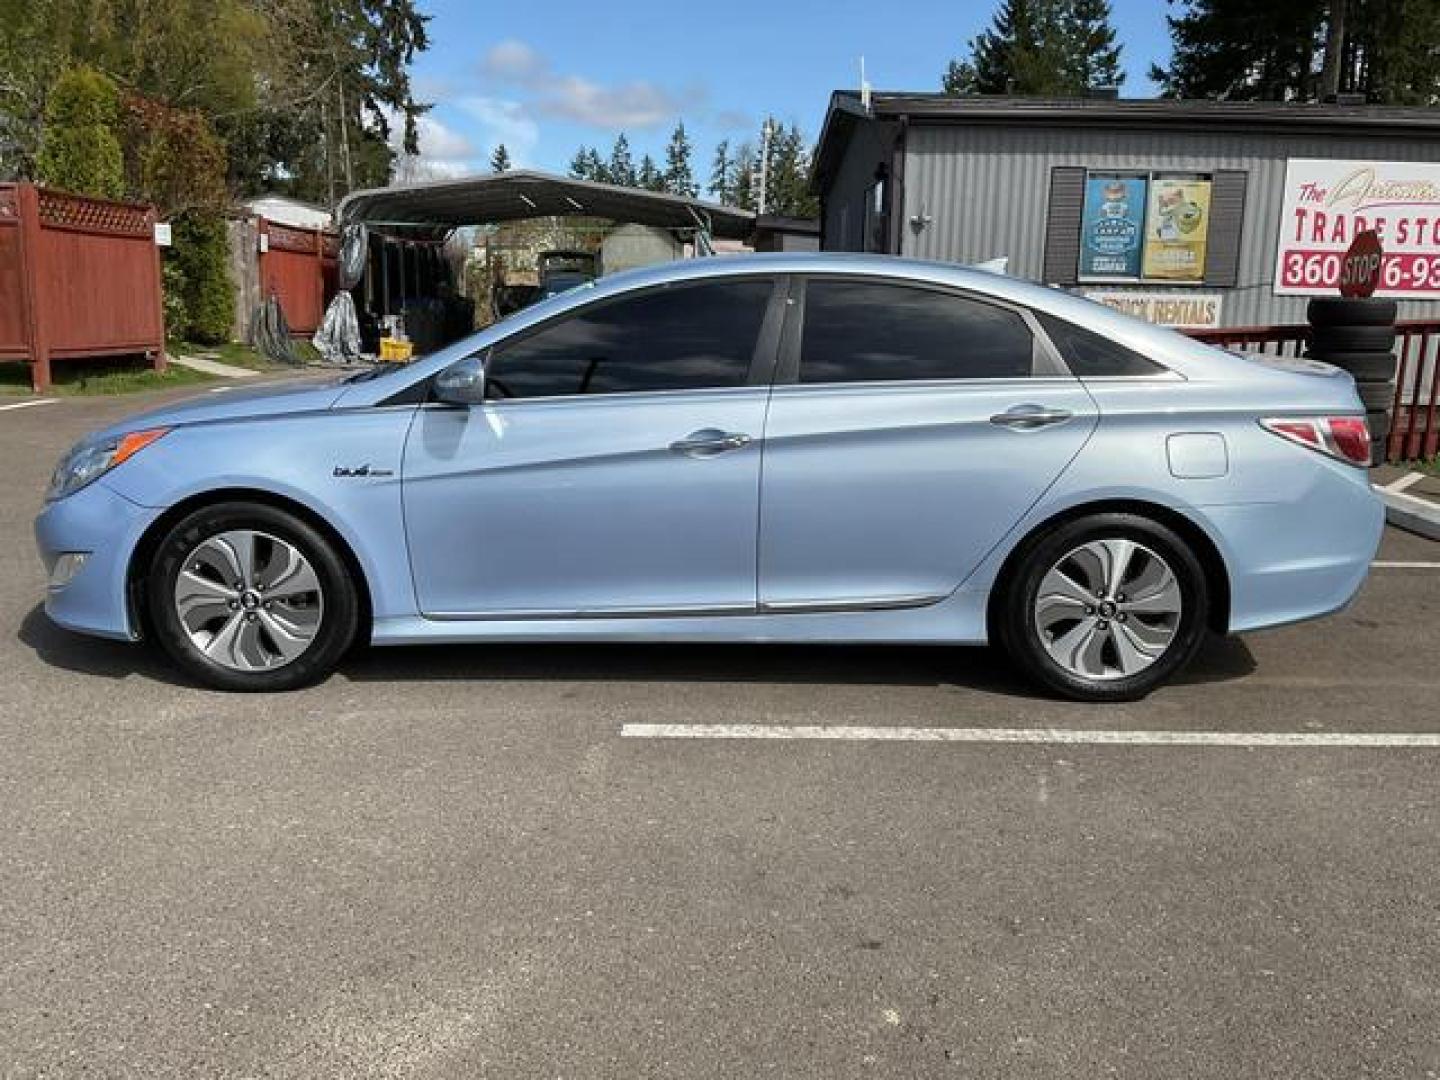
[90, 460]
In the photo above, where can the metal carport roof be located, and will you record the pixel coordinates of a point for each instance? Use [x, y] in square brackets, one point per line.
[511, 196]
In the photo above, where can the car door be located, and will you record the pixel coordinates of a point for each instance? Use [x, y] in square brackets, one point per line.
[910, 428]
[616, 470]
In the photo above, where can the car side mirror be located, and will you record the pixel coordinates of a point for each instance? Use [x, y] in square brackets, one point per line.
[462, 383]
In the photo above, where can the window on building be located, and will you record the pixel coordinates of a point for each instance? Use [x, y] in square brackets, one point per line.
[858, 331]
[683, 338]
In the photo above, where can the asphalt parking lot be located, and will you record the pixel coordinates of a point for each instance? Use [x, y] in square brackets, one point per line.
[451, 862]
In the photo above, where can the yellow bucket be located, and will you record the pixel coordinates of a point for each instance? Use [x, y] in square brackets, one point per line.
[393, 349]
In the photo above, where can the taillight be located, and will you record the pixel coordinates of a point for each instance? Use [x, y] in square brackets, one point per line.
[1345, 438]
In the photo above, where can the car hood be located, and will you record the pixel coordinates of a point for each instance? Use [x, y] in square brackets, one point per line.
[237, 403]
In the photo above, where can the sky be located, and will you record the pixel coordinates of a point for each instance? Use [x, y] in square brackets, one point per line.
[546, 76]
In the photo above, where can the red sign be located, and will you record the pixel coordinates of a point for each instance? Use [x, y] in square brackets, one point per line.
[1360, 266]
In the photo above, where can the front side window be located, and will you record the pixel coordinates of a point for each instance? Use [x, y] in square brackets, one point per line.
[859, 331]
[682, 337]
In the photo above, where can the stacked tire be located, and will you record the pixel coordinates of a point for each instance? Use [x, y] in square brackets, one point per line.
[1359, 336]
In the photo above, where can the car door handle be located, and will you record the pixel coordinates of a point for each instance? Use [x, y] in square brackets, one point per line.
[707, 442]
[1030, 417]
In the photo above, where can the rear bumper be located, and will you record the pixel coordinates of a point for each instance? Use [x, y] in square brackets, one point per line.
[107, 526]
[1297, 560]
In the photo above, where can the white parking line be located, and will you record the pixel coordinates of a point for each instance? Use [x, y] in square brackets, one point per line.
[1408, 480]
[27, 404]
[1055, 736]
[1405, 565]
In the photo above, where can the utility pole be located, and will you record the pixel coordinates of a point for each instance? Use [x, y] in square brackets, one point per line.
[767, 132]
[345, 136]
[1334, 51]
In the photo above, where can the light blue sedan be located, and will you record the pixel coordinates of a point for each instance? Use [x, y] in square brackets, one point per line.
[769, 448]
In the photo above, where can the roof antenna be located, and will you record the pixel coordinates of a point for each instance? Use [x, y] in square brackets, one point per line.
[864, 86]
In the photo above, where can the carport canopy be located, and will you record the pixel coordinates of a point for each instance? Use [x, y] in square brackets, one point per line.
[439, 206]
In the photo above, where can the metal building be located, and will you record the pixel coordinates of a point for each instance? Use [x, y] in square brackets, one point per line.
[1052, 185]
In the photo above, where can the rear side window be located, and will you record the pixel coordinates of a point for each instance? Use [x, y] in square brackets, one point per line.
[681, 338]
[858, 331]
[1090, 356]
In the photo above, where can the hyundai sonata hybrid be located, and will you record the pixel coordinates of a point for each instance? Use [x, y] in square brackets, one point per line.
[792, 448]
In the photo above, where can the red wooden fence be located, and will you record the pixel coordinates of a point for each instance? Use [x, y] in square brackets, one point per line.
[79, 277]
[1415, 429]
[298, 267]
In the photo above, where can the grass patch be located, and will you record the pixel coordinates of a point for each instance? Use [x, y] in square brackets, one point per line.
[1425, 465]
[246, 356]
[79, 378]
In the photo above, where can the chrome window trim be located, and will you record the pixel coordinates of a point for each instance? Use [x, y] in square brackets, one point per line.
[788, 607]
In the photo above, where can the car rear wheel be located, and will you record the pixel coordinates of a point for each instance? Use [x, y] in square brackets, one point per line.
[244, 596]
[1105, 608]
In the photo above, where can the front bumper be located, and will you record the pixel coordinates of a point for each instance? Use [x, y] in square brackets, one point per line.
[105, 524]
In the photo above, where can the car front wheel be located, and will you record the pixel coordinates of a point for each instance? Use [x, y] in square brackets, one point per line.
[1105, 608]
[244, 596]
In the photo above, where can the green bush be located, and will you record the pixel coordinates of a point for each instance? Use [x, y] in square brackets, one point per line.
[200, 259]
[79, 150]
[172, 281]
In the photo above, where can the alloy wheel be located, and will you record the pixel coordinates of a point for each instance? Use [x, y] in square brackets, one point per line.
[1108, 609]
[248, 600]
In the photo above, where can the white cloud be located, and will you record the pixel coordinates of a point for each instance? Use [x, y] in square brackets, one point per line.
[513, 61]
[637, 104]
[507, 122]
[444, 151]
[441, 143]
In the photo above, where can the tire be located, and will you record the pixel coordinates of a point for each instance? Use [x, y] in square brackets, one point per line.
[1019, 614]
[1369, 366]
[1336, 339]
[1337, 311]
[1376, 396]
[1379, 423]
[274, 633]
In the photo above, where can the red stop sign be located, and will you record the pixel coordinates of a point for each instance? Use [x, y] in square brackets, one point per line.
[1360, 269]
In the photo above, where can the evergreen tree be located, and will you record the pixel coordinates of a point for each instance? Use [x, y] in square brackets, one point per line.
[621, 169]
[80, 151]
[789, 183]
[1381, 49]
[722, 174]
[1241, 50]
[679, 176]
[1094, 55]
[649, 176]
[1054, 48]
[500, 159]
[586, 164]
[743, 191]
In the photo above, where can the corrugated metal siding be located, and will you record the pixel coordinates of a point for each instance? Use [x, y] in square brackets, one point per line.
[985, 189]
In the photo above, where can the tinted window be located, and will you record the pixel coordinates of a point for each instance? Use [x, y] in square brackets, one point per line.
[678, 338]
[860, 332]
[1089, 355]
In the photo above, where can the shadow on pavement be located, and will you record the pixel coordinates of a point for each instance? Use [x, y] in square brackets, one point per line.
[60, 648]
[983, 669]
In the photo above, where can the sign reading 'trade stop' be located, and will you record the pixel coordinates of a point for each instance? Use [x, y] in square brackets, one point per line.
[1360, 268]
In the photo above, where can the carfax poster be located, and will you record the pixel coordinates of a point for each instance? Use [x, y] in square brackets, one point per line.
[1112, 227]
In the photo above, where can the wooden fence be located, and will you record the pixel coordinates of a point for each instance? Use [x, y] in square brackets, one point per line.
[298, 267]
[79, 278]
